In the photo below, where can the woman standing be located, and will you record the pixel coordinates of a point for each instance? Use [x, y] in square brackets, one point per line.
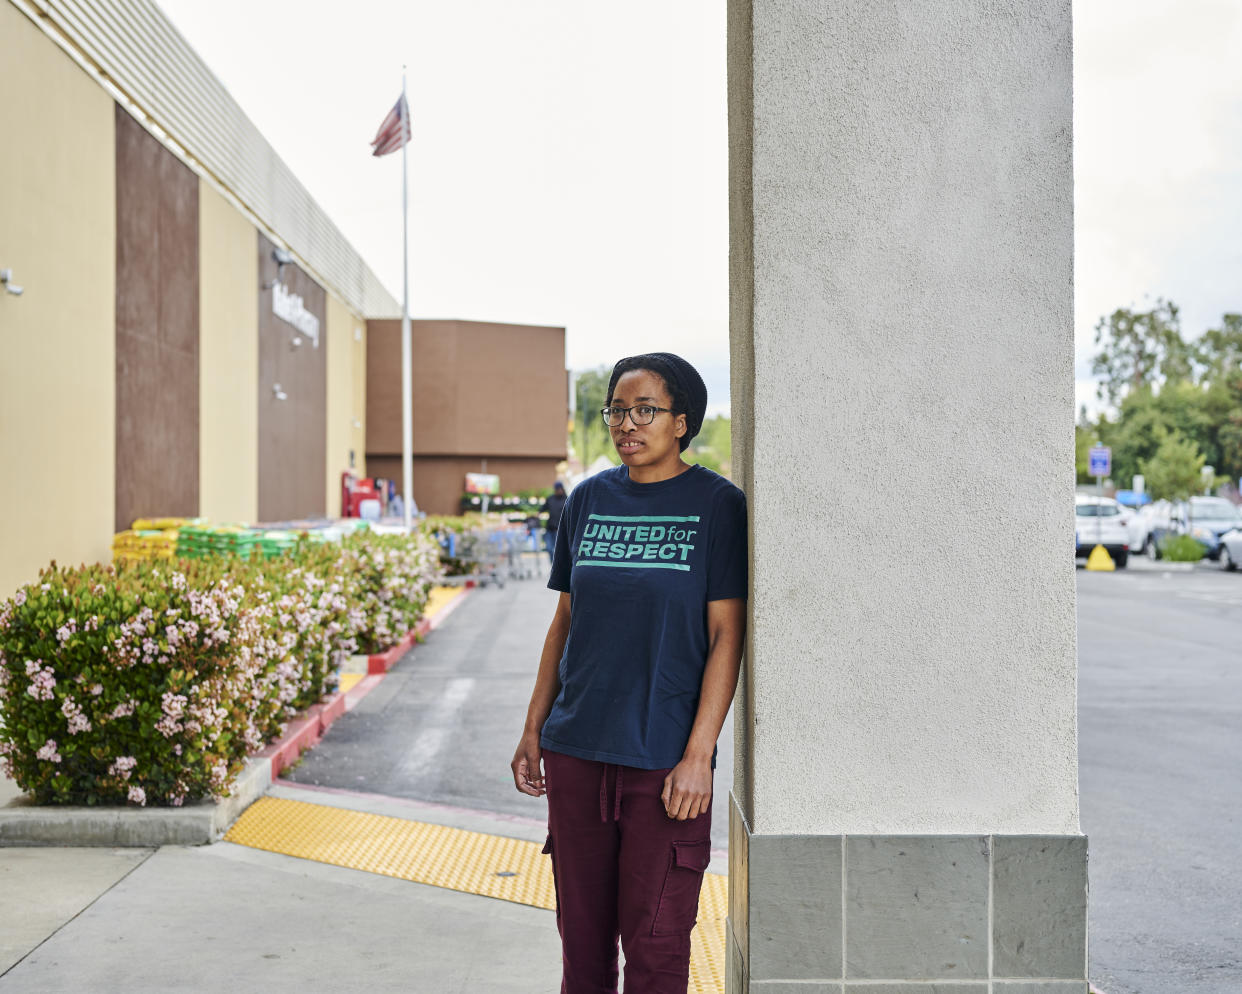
[636, 676]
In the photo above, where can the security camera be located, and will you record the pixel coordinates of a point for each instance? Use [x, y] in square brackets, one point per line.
[282, 258]
[6, 280]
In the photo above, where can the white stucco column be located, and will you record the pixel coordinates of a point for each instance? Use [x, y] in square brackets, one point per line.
[902, 292]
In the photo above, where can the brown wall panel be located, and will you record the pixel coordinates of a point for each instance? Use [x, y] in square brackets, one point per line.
[293, 431]
[440, 480]
[157, 328]
[384, 387]
[467, 376]
[498, 366]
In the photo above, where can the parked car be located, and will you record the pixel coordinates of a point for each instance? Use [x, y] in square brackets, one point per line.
[1140, 526]
[1231, 549]
[1101, 521]
[1159, 527]
[1204, 519]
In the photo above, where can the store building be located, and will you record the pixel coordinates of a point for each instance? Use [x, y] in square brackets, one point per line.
[487, 398]
[191, 335]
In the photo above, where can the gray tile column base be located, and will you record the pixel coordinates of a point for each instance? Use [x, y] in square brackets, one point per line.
[905, 914]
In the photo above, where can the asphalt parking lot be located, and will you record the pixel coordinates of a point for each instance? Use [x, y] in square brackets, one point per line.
[1160, 744]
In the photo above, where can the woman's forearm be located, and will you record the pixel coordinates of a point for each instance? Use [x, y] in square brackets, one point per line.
[726, 628]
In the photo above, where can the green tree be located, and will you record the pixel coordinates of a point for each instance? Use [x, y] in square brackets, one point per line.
[713, 446]
[1140, 348]
[1084, 437]
[1145, 414]
[589, 436]
[1176, 470]
[1218, 351]
[1229, 439]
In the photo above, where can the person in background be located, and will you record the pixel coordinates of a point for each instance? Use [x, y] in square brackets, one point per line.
[554, 505]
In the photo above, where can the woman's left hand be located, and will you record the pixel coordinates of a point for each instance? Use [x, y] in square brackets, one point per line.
[688, 789]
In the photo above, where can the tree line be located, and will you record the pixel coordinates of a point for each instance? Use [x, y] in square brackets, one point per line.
[1178, 404]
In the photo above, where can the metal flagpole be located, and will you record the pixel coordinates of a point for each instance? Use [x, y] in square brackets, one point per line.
[407, 399]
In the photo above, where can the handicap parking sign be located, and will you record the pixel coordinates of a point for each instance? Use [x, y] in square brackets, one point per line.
[1100, 460]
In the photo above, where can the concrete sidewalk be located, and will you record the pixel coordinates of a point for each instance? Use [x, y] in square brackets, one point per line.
[231, 918]
[228, 917]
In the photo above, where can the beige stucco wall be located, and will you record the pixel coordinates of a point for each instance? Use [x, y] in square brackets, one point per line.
[347, 397]
[57, 342]
[902, 339]
[228, 362]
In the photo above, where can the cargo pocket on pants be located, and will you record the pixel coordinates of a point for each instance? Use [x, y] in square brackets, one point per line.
[556, 890]
[679, 899]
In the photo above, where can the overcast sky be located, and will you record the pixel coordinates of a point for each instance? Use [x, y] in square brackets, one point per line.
[569, 159]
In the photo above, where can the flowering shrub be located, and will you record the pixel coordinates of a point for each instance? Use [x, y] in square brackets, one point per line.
[393, 576]
[305, 606]
[149, 683]
[126, 684]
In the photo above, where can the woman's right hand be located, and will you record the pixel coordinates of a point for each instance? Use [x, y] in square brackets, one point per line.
[527, 766]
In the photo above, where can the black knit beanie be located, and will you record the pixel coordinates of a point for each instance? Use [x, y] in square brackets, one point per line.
[684, 383]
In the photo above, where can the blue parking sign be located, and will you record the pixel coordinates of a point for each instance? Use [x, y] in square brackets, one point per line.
[1100, 460]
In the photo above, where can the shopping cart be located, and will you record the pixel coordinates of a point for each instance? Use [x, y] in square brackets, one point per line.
[475, 556]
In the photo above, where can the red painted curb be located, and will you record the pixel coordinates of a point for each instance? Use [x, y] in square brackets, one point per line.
[330, 710]
[384, 661]
[300, 734]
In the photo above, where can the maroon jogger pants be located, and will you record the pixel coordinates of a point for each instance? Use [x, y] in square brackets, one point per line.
[624, 869]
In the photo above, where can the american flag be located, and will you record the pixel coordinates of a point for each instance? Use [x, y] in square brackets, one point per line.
[395, 131]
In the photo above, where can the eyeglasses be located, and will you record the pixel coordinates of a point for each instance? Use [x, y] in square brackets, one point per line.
[643, 414]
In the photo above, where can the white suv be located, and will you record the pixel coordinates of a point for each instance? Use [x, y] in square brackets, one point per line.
[1101, 521]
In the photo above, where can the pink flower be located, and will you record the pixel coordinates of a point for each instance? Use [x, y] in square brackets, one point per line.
[48, 752]
[96, 689]
[41, 680]
[138, 796]
[19, 598]
[122, 767]
[78, 722]
[66, 631]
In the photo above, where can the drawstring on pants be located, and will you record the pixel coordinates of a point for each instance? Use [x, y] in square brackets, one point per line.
[603, 794]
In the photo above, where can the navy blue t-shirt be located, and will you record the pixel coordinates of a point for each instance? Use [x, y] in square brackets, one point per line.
[640, 561]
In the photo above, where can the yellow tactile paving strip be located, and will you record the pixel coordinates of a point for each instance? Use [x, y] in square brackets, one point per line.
[452, 858]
